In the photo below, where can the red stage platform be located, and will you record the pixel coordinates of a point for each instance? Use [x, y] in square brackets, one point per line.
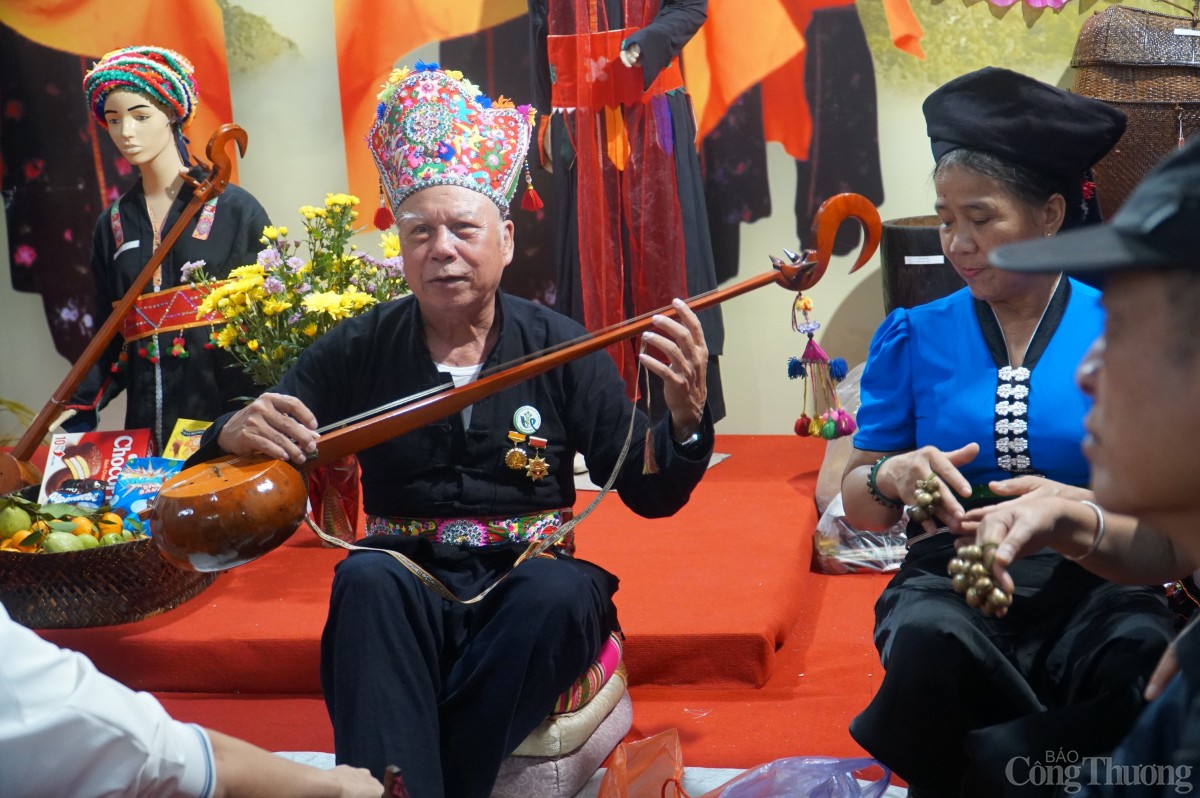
[730, 638]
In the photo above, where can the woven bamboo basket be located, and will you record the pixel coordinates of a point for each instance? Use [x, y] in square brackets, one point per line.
[96, 587]
[1146, 64]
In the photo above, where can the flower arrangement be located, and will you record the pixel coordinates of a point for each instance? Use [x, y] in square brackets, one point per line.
[270, 311]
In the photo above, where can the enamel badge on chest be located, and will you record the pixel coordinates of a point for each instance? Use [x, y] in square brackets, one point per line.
[527, 419]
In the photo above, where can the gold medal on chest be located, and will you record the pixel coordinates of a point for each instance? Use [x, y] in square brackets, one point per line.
[516, 458]
[537, 468]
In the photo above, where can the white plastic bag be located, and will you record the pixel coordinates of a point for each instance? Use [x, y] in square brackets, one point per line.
[807, 777]
[839, 548]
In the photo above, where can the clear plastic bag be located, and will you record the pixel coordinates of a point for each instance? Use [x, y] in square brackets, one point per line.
[839, 548]
[806, 777]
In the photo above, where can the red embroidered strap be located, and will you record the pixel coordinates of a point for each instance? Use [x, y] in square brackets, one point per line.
[588, 73]
[166, 311]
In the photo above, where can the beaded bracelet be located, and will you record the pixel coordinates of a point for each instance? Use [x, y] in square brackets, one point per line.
[1099, 532]
[873, 489]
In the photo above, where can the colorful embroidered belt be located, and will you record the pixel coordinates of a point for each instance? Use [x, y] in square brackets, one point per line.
[587, 73]
[166, 311]
[475, 532]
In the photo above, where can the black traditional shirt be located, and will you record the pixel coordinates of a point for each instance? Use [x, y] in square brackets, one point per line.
[443, 470]
[208, 381]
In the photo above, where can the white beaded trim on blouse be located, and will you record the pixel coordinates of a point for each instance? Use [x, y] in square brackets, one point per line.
[1011, 425]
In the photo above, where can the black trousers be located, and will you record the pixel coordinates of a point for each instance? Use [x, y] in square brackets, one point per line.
[963, 694]
[445, 690]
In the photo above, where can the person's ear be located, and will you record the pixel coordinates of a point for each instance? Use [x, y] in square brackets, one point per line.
[507, 242]
[1053, 213]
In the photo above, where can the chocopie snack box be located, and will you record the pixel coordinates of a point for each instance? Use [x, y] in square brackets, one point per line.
[92, 455]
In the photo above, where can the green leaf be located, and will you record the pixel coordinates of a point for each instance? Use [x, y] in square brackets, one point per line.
[62, 511]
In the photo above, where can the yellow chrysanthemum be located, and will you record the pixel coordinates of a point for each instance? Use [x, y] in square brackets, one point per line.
[398, 75]
[454, 73]
[389, 242]
[328, 302]
[227, 336]
[250, 270]
[272, 307]
[355, 299]
[206, 306]
[320, 276]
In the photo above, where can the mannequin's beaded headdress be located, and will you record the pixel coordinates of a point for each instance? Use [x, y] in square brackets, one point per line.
[163, 75]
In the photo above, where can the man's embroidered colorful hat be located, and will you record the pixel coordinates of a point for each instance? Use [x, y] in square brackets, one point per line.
[163, 75]
[434, 128]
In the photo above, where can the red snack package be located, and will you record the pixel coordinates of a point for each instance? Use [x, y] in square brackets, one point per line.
[92, 455]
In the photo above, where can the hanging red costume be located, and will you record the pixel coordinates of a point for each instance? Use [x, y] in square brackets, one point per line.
[633, 230]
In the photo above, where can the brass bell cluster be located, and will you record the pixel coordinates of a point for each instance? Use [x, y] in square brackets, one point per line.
[970, 573]
[927, 497]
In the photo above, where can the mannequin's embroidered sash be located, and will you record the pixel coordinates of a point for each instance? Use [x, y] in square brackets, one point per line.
[166, 311]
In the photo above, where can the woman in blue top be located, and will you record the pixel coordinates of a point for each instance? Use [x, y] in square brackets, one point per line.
[976, 387]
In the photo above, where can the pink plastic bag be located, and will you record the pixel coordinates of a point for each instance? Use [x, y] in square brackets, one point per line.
[805, 777]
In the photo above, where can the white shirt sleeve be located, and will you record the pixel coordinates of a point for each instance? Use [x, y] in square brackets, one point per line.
[67, 729]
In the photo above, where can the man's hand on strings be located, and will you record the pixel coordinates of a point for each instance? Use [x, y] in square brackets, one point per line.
[684, 375]
[274, 424]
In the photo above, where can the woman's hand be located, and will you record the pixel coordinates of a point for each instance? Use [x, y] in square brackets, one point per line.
[899, 474]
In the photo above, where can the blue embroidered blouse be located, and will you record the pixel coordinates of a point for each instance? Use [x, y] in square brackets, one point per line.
[938, 375]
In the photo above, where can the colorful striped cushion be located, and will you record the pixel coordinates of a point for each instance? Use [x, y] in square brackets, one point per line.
[596, 677]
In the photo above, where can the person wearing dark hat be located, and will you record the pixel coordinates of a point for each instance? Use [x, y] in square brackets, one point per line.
[144, 97]
[1147, 513]
[976, 387]
[443, 686]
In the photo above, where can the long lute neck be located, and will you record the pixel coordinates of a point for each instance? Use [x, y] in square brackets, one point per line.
[431, 406]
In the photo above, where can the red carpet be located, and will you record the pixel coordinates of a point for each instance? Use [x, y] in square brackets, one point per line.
[730, 638]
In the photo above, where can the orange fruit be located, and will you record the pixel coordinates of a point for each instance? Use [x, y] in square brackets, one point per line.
[17, 537]
[83, 526]
[109, 523]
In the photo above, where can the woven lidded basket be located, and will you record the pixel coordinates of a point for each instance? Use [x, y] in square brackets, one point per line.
[96, 587]
[1146, 64]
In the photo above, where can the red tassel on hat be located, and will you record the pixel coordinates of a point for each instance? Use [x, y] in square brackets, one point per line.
[383, 217]
[531, 201]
